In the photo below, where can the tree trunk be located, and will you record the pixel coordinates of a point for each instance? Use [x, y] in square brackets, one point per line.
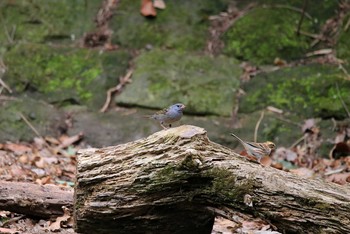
[177, 181]
[42, 201]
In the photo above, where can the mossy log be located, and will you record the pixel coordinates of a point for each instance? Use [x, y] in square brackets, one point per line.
[177, 181]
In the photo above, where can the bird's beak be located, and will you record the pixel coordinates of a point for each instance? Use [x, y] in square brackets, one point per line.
[183, 107]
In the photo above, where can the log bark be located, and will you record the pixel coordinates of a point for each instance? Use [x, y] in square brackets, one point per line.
[43, 201]
[177, 181]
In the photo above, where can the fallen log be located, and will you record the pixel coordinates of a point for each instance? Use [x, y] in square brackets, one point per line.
[177, 181]
[34, 200]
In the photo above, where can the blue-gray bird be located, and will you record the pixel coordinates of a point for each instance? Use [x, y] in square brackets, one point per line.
[169, 115]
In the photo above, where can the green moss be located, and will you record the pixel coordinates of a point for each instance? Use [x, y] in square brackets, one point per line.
[63, 73]
[50, 71]
[175, 27]
[264, 34]
[165, 77]
[343, 47]
[41, 20]
[306, 90]
[225, 185]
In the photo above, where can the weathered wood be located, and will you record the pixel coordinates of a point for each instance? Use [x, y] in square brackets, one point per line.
[174, 181]
[43, 201]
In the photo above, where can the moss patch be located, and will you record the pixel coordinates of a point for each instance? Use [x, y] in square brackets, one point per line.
[308, 91]
[204, 84]
[264, 34]
[182, 25]
[41, 20]
[61, 74]
[343, 47]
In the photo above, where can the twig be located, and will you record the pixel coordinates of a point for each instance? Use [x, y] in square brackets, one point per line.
[122, 82]
[302, 17]
[291, 8]
[315, 36]
[15, 219]
[347, 26]
[344, 70]
[297, 142]
[257, 126]
[319, 52]
[30, 125]
[34, 129]
[3, 84]
[342, 101]
[287, 121]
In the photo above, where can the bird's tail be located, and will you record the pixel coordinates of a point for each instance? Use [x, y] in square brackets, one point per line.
[239, 139]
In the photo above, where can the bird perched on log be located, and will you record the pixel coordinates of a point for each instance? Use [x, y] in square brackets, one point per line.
[257, 150]
[169, 115]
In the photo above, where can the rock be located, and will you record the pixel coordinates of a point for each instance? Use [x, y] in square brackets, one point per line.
[45, 118]
[308, 91]
[269, 31]
[46, 21]
[64, 75]
[206, 85]
[182, 25]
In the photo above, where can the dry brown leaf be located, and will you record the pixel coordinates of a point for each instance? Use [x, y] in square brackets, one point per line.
[147, 8]
[159, 4]
[303, 172]
[340, 178]
[266, 161]
[222, 225]
[308, 125]
[8, 230]
[40, 162]
[18, 148]
[52, 140]
[55, 226]
[67, 141]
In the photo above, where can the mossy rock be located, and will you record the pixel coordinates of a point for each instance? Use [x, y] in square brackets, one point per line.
[42, 20]
[64, 74]
[182, 25]
[206, 85]
[309, 91]
[318, 12]
[343, 46]
[265, 34]
[45, 118]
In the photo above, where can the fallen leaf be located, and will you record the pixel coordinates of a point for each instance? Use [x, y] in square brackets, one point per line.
[159, 4]
[52, 140]
[308, 125]
[222, 225]
[303, 172]
[18, 148]
[67, 141]
[8, 230]
[340, 178]
[147, 8]
[55, 226]
[266, 161]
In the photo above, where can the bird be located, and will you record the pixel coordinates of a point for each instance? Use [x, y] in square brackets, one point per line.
[257, 150]
[169, 115]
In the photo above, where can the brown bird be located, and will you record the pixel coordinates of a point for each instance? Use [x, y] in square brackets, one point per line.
[257, 150]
